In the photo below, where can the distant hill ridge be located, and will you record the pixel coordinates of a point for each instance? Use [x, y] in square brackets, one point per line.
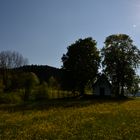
[44, 72]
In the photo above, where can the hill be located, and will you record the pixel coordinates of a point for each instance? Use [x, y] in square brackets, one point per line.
[44, 72]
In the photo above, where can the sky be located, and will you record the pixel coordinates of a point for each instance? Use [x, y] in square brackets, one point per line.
[41, 30]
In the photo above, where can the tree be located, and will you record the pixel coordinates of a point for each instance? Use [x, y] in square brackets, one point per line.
[53, 83]
[28, 81]
[134, 88]
[120, 60]
[81, 62]
[8, 60]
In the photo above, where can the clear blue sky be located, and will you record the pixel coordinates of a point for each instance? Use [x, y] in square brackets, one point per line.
[41, 30]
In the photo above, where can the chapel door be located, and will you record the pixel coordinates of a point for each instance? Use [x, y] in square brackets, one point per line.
[102, 91]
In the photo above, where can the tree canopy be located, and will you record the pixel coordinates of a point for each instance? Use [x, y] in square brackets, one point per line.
[9, 59]
[120, 60]
[81, 62]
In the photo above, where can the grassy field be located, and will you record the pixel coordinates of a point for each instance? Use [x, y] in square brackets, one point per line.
[74, 119]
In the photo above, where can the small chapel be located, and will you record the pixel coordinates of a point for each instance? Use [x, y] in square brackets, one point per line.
[102, 86]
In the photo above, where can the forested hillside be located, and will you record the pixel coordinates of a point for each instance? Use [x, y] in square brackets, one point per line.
[44, 72]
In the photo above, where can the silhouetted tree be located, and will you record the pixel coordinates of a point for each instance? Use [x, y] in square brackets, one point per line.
[120, 59]
[81, 63]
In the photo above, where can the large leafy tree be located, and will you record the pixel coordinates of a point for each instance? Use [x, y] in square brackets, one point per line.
[81, 62]
[120, 60]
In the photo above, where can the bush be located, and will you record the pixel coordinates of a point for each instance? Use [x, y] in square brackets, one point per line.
[42, 92]
[8, 98]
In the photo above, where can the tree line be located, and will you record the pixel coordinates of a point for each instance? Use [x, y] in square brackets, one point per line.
[118, 60]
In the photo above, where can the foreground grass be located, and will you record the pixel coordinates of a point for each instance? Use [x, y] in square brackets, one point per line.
[72, 120]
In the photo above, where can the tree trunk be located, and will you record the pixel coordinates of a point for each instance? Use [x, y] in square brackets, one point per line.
[5, 79]
[122, 85]
[82, 90]
[116, 89]
[26, 94]
[122, 91]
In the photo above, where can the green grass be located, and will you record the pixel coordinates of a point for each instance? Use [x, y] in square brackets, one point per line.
[73, 119]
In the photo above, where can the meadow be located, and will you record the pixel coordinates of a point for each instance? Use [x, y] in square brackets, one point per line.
[71, 119]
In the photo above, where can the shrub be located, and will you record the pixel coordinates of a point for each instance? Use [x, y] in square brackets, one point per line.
[41, 92]
[8, 98]
[29, 81]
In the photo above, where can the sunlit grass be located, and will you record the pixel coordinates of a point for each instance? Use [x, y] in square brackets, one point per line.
[72, 120]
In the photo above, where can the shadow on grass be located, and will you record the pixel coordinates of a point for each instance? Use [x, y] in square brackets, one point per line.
[62, 103]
